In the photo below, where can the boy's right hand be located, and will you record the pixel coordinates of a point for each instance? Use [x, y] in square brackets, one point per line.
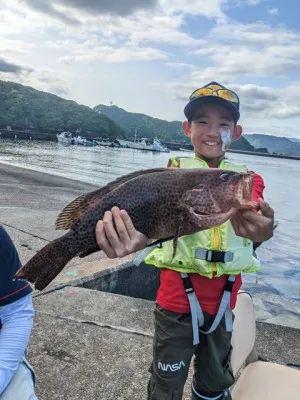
[121, 239]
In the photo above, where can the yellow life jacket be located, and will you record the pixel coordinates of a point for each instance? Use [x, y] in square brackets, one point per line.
[196, 252]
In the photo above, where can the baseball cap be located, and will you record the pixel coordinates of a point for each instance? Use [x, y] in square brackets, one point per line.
[213, 93]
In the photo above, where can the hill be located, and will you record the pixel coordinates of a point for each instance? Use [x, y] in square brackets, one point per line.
[149, 127]
[142, 124]
[31, 108]
[274, 144]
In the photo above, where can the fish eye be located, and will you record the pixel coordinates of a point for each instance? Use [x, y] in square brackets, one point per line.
[225, 176]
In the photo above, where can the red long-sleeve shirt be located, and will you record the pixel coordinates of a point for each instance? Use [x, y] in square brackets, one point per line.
[172, 296]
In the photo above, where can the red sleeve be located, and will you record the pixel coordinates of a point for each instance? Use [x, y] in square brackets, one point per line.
[258, 186]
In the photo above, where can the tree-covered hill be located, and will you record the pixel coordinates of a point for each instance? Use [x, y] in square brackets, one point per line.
[24, 106]
[144, 125]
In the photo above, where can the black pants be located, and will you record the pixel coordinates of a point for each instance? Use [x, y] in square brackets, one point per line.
[173, 350]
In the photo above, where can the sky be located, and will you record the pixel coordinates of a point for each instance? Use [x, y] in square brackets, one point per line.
[148, 56]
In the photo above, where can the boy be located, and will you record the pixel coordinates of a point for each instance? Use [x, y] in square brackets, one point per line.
[210, 267]
[16, 318]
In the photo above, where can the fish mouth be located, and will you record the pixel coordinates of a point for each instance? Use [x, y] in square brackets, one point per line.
[200, 213]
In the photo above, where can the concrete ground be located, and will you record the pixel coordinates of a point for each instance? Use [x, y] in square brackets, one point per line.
[88, 344]
[93, 345]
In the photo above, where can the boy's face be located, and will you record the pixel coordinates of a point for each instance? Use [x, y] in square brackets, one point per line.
[205, 131]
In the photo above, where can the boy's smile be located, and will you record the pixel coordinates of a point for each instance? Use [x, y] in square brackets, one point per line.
[209, 124]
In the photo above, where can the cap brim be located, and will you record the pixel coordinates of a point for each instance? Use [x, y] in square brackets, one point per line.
[192, 106]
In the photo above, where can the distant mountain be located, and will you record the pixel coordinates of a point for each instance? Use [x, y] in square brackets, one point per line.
[149, 127]
[242, 144]
[30, 108]
[274, 144]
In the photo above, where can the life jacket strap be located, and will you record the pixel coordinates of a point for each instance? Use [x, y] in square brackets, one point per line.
[197, 313]
[143, 254]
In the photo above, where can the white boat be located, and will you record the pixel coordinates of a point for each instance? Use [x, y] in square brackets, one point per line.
[84, 141]
[66, 138]
[142, 145]
[155, 146]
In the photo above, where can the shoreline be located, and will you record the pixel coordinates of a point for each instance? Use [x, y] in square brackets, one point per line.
[263, 154]
[173, 146]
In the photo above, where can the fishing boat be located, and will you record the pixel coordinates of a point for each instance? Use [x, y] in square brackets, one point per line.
[82, 141]
[66, 138]
[157, 146]
[142, 145]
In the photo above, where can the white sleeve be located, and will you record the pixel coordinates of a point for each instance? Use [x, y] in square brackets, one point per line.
[16, 319]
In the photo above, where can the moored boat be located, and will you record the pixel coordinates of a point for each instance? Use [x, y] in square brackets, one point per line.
[66, 138]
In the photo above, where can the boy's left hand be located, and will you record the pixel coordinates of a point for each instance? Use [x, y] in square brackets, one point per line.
[257, 227]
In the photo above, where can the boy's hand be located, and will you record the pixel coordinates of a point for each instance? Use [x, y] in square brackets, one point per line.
[121, 239]
[257, 227]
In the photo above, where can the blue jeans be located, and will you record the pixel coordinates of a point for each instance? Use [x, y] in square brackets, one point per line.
[22, 384]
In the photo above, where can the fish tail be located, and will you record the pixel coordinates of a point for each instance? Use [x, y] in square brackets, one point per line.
[42, 268]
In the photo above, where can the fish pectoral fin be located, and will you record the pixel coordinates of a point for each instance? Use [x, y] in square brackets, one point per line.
[176, 236]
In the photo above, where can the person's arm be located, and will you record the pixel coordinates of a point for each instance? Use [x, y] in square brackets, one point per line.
[16, 319]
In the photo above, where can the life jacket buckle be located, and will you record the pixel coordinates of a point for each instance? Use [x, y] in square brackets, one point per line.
[214, 255]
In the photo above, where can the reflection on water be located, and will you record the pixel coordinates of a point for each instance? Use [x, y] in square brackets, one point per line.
[280, 256]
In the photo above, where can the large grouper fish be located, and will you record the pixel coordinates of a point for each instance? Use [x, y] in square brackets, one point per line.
[163, 203]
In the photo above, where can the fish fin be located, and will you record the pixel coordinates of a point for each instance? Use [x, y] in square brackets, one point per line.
[71, 214]
[176, 236]
[42, 268]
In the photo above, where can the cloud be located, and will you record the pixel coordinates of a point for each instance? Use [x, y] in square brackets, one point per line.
[60, 9]
[11, 46]
[114, 55]
[67, 60]
[162, 29]
[253, 2]
[255, 50]
[119, 7]
[46, 7]
[179, 65]
[42, 79]
[211, 9]
[267, 102]
[285, 112]
[257, 33]
[12, 67]
[273, 11]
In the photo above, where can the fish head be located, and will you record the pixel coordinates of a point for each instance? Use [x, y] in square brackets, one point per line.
[218, 195]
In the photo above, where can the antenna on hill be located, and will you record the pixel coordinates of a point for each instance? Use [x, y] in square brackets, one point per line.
[111, 103]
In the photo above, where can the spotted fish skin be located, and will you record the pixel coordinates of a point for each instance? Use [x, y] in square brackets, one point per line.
[162, 203]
